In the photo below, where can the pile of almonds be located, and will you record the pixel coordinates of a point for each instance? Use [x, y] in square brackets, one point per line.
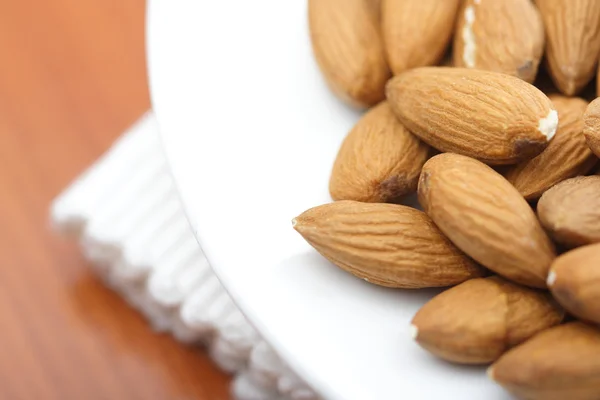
[510, 221]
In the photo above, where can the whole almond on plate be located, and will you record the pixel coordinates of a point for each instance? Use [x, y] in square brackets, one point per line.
[561, 363]
[572, 41]
[503, 36]
[486, 217]
[379, 161]
[385, 244]
[478, 320]
[574, 280]
[570, 211]
[494, 117]
[416, 33]
[347, 44]
[566, 156]
[591, 126]
[598, 82]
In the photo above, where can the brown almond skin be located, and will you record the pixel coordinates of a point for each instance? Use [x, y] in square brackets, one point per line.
[347, 45]
[561, 363]
[386, 244]
[572, 41]
[598, 82]
[379, 161]
[472, 112]
[566, 156]
[574, 280]
[508, 37]
[416, 33]
[478, 320]
[591, 126]
[570, 211]
[486, 217]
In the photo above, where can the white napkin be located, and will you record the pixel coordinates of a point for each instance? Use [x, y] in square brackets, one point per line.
[126, 214]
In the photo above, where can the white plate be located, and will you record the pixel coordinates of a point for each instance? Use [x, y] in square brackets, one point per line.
[251, 133]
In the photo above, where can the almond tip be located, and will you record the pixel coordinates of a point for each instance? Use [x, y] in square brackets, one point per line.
[294, 222]
[490, 373]
[414, 332]
[547, 125]
[551, 279]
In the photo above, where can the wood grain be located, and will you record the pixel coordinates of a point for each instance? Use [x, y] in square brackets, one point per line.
[72, 78]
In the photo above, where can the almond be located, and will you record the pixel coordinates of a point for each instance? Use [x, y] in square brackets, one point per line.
[570, 211]
[561, 363]
[416, 33]
[496, 118]
[385, 244]
[574, 280]
[347, 45]
[566, 156]
[379, 161]
[572, 41]
[504, 36]
[591, 126]
[478, 320]
[598, 82]
[486, 217]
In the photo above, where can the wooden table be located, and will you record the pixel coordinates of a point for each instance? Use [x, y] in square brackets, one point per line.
[72, 78]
